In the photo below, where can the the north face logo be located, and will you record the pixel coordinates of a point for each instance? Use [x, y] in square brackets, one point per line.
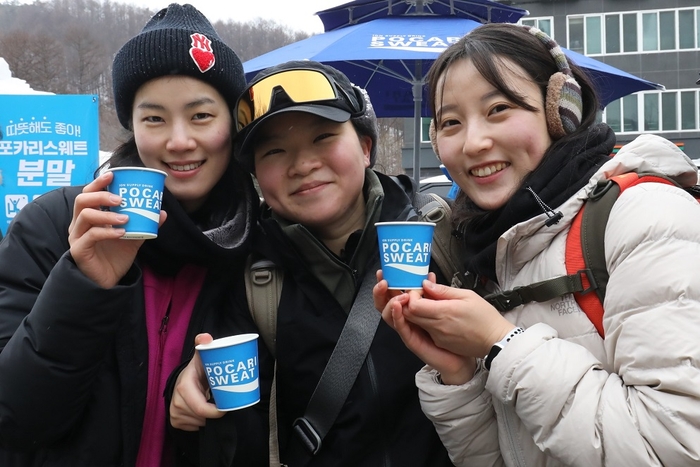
[201, 52]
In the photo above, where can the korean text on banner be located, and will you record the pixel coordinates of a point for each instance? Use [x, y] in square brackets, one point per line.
[46, 142]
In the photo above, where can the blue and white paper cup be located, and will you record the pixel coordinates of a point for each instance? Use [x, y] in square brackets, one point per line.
[141, 191]
[404, 251]
[231, 367]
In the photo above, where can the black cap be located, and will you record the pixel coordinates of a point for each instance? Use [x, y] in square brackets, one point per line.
[178, 40]
[348, 107]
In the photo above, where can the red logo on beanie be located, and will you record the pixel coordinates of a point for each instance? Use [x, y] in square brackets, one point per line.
[201, 52]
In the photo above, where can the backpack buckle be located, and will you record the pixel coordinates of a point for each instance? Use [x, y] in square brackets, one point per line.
[600, 189]
[307, 435]
[592, 284]
[506, 301]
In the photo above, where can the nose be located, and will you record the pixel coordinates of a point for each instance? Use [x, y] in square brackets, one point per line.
[476, 139]
[181, 138]
[304, 162]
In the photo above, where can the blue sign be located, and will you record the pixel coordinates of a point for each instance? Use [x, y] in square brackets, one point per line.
[46, 142]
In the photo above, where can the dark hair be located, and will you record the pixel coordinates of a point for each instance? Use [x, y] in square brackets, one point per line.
[126, 155]
[484, 46]
[515, 43]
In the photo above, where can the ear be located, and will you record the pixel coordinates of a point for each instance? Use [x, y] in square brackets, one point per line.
[432, 133]
[366, 145]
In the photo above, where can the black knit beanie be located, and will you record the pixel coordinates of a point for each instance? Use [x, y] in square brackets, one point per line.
[178, 40]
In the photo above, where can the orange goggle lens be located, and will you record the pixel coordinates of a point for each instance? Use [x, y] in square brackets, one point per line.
[301, 86]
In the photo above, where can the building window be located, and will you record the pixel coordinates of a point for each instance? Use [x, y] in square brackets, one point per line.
[689, 106]
[669, 111]
[630, 113]
[686, 29]
[629, 34]
[660, 111]
[651, 112]
[612, 34]
[544, 24]
[648, 31]
[425, 130]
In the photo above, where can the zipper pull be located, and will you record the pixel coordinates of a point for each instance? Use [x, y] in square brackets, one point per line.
[164, 324]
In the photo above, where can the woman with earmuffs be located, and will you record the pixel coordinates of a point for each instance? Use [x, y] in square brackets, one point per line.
[538, 384]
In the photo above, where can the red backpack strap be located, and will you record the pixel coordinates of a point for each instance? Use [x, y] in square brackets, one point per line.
[585, 249]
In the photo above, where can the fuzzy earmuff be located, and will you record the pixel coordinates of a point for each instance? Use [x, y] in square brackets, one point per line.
[563, 103]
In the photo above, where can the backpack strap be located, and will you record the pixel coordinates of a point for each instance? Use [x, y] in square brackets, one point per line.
[343, 366]
[263, 287]
[585, 244]
[447, 250]
[585, 254]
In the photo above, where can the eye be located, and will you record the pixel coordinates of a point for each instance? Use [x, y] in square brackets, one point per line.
[201, 116]
[153, 119]
[261, 153]
[322, 136]
[498, 108]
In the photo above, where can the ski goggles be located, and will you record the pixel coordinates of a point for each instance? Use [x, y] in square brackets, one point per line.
[289, 88]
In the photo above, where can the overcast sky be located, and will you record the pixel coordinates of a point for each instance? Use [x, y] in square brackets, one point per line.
[297, 14]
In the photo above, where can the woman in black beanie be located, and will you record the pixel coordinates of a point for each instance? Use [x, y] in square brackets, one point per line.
[91, 325]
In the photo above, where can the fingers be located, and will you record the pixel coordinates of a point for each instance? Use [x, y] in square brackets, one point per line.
[189, 407]
[394, 306]
[88, 212]
[203, 338]
[444, 292]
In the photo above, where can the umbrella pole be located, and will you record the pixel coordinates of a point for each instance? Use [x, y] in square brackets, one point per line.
[417, 104]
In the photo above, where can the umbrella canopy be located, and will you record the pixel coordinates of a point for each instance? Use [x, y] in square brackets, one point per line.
[389, 57]
[362, 11]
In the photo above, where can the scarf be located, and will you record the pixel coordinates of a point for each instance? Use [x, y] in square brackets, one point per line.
[214, 237]
[564, 170]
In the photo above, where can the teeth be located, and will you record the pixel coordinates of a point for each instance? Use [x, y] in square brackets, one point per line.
[488, 170]
[182, 168]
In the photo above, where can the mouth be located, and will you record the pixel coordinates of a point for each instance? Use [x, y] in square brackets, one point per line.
[488, 170]
[307, 187]
[185, 167]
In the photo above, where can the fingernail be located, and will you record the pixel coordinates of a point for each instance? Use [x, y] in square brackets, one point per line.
[428, 285]
[121, 218]
[115, 199]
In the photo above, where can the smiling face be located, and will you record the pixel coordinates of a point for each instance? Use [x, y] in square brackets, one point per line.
[488, 143]
[182, 125]
[311, 170]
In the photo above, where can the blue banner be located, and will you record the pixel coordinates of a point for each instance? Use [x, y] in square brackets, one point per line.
[46, 142]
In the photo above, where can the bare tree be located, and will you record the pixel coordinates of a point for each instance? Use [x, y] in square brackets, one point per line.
[36, 58]
[390, 143]
[86, 61]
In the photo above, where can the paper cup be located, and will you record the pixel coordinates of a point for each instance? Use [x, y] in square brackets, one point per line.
[231, 367]
[404, 250]
[141, 190]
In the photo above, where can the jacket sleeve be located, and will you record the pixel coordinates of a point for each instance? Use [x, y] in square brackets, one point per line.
[641, 405]
[55, 326]
[463, 417]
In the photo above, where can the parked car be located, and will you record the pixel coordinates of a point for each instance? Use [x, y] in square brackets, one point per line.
[440, 185]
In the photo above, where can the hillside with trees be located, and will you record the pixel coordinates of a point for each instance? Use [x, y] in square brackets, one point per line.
[67, 47]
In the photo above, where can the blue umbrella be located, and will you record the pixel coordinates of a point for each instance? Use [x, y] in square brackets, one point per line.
[389, 57]
[361, 11]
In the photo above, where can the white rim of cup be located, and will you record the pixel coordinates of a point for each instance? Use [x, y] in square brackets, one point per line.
[147, 169]
[405, 223]
[228, 341]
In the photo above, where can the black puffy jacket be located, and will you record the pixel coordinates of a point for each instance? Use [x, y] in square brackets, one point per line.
[74, 356]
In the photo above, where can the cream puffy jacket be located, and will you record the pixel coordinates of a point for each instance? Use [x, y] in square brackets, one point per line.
[560, 395]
